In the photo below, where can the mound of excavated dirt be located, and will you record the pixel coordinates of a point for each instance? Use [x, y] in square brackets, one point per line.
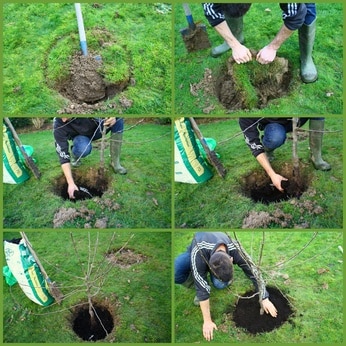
[247, 312]
[85, 83]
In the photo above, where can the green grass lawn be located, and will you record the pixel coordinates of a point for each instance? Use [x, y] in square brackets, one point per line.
[220, 203]
[37, 49]
[311, 278]
[143, 195]
[141, 312]
[322, 97]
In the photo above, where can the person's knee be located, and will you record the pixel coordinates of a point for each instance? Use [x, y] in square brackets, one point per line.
[274, 136]
[81, 146]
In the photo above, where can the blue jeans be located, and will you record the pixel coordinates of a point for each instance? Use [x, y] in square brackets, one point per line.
[274, 136]
[82, 144]
[310, 13]
[182, 270]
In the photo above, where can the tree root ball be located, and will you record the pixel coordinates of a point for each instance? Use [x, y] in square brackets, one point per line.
[91, 183]
[92, 329]
[247, 312]
[258, 186]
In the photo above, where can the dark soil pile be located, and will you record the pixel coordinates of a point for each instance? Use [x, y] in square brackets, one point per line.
[247, 312]
[92, 329]
[91, 183]
[85, 83]
[258, 186]
[195, 39]
[252, 85]
[124, 257]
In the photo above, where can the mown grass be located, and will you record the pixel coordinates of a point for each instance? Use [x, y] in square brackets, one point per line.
[312, 280]
[323, 97]
[143, 195]
[141, 41]
[142, 312]
[221, 203]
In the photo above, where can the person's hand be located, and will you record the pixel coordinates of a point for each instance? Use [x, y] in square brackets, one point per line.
[208, 329]
[266, 55]
[71, 189]
[269, 307]
[276, 180]
[109, 122]
[241, 54]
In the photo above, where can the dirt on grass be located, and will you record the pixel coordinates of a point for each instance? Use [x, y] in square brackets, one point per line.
[244, 86]
[86, 88]
[124, 257]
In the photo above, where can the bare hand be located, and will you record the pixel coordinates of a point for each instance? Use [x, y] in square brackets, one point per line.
[276, 180]
[266, 55]
[269, 307]
[208, 329]
[241, 54]
[109, 122]
[71, 190]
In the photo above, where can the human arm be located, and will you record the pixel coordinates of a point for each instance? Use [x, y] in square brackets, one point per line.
[71, 186]
[274, 177]
[293, 15]
[208, 324]
[249, 127]
[240, 53]
[268, 53]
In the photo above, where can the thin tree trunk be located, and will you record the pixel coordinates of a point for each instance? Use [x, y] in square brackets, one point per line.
[296, 172]
[102, 151]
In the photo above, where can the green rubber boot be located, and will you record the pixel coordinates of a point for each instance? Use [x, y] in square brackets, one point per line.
[115, 149]
[315, 140]
[308, 71]
[236, 25]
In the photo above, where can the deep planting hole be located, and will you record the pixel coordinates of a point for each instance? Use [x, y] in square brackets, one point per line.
[247, 312]
[92, 328]
[124, 257]
[91, 183]
[252, 85]
[258, 186]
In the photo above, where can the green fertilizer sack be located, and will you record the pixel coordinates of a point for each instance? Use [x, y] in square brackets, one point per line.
[23, 267]
[14, 172]
[189, 165]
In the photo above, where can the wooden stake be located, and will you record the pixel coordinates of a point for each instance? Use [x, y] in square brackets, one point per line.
[211, 155]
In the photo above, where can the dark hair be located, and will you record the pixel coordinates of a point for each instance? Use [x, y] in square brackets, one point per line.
[221, 266]
[236, 10]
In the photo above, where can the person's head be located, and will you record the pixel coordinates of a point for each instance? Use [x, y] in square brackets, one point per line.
[221, 266]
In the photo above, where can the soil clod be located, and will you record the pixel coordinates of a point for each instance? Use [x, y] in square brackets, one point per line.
[247, 312]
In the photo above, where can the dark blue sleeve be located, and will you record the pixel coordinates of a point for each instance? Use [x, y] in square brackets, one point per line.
[293, 14]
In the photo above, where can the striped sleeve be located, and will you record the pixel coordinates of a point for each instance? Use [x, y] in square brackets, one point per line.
[293, 14]
[214, 13]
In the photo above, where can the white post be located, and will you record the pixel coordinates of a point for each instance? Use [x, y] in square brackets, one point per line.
[82, 37]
